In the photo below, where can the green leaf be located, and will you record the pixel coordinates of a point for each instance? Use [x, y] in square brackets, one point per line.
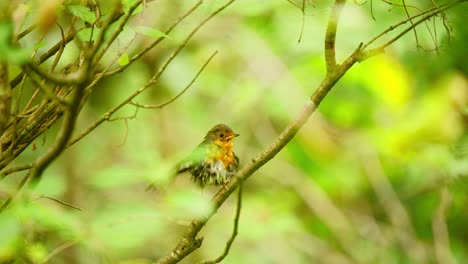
[150, 32]
[88, 34]
[123, 60]
[82, 12]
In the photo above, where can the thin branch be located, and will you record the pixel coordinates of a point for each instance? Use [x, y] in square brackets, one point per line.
[234, 231]
[181, 92]
[59, 249]
[411, 21]
[157, 41]
[15, 169]
[60, 202]
[330, 35]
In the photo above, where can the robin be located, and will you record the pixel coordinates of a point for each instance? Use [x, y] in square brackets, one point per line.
[213, 161]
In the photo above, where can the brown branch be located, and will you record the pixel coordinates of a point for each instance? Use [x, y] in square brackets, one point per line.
[59, 249]
[330, 35]
[234, 231]
[411, 21]
[15, 169]
[181, 92]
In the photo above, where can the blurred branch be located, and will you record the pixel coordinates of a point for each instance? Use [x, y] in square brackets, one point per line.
[60, 202]
[59, 249]
[440, 230]
[330, 35]
[181, 92]
[392, 205]
[5, 97]
[15, 169]
[234, 231]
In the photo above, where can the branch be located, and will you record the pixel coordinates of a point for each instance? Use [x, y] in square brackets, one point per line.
[234, 231]
[181, 92]
[330, 35]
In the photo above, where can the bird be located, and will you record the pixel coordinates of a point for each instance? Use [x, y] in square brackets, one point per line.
[213, 162]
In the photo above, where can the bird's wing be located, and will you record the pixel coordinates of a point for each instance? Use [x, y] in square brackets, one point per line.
[195, 158]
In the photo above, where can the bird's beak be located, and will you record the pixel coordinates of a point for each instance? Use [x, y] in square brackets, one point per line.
[232, 136]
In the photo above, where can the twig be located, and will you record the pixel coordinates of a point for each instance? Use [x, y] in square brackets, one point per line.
[15, 169]
[411, 21]
[60, 202]
[234, 231]
[59, 249]
[181, 92]
[330, 35]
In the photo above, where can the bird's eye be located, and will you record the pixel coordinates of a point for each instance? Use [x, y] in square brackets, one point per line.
[221, 135]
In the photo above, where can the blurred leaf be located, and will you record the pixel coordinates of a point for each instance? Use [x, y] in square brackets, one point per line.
[10, 231]
[150, 32]
[116, 176]
[88, 34]
[125, 226]
[9, 53]
[82, 12]
[123, 59]
[36, 252]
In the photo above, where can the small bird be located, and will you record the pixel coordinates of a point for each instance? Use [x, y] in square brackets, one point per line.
[213, 161]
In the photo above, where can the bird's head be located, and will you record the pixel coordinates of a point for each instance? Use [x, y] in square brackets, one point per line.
[221, 135]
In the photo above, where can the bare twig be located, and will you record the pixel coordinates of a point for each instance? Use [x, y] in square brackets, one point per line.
[411, 21]
[60, 202]
[181, 92]
[15, 169]
[59, 249]
[234, 231]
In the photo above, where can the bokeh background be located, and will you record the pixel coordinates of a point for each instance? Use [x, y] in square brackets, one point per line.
[377, 175]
